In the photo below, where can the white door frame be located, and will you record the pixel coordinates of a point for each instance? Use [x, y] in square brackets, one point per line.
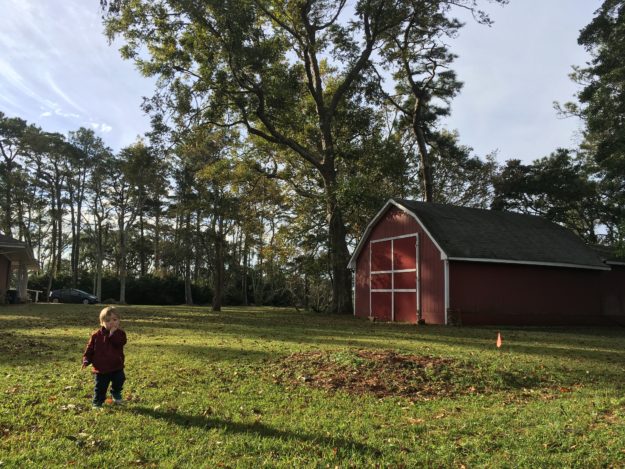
[392, 272]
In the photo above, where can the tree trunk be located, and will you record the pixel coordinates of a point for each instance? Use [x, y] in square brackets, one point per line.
[8, 202]
[142, 260]
[52, 268]
[244, 273]
[78, 228]
[188, 298]
[219, 267]
[59, 223]
[424, 157]
[122, 265]
[337, 249]
[99, 260]
[188, 294]
[157, 243]
[198, 252]
[339, 258]
[73, 264]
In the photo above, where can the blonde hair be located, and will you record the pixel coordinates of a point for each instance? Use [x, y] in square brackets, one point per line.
[107, 312]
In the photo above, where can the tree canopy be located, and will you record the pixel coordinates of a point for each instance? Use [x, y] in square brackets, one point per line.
[601, 105]
[298, 75]
[278, 131]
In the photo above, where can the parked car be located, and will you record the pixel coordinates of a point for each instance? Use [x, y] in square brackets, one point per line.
[72, 295]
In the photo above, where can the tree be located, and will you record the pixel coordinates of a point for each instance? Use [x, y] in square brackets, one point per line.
[99, 185]
[87, 150]
[415, 52]
[558, 187]
[257, 64]
[13, 148]
[128, 180]
[458, 177]
[185, 205]
[48, 153]
[282, 71]
[602, 107]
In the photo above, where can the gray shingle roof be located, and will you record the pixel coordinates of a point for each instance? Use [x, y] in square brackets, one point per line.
[17, 251]
[471, 233]
[610, 254]
[4, 239]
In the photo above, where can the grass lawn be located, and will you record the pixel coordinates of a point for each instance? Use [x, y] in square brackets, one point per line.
[252, 387]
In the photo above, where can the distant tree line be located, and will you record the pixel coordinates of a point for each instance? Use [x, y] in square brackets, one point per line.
[278, 130]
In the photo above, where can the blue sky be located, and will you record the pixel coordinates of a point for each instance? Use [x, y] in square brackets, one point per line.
[58, 71]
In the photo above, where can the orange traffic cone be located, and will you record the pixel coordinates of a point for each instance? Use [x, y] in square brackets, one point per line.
[499, 340]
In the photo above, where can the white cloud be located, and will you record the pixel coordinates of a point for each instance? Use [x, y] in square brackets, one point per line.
[61, 113]
[512, 73]
[13, 79]
[58, 71]
[61, 93]
[101, 127]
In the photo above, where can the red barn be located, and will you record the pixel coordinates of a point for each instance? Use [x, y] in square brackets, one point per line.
[442, 264]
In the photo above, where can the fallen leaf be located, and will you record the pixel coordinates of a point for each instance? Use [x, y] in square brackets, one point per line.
[412, 421]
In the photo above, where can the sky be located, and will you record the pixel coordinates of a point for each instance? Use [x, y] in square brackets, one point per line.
[58, 71]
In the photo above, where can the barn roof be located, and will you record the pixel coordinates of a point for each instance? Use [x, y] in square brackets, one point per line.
[610, 254]
[473, 234]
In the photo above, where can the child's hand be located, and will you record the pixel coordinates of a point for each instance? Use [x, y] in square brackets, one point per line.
[111, 324]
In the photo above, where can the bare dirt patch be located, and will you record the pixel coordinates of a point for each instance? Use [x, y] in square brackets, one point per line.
[381, 373]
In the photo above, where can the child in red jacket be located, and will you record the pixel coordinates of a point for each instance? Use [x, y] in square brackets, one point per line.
[105, 352]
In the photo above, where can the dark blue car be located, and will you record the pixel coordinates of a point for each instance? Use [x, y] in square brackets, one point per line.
[72, 295]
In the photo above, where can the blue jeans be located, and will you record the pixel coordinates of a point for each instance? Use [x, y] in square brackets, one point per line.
[102, 380]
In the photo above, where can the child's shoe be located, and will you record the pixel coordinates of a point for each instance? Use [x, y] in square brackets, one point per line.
[95, 406]
[118, 401]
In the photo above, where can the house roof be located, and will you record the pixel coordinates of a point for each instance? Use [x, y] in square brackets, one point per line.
[472, 234]
[17, 252]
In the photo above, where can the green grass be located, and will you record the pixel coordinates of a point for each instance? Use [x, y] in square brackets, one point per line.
[241, 388]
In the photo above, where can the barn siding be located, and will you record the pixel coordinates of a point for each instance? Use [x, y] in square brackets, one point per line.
[484, 293]
[432, 282]
[361, 305]
[398, 223]
[613, 293]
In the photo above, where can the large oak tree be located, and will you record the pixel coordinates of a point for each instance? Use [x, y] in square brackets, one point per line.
[281, 70]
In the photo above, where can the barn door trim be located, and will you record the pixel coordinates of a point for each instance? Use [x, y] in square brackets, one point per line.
[392, 272]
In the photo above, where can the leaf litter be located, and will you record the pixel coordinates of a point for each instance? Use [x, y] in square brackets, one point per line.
[384, 373]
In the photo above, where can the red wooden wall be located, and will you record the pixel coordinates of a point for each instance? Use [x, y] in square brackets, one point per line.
[396, 223]
[485, 293]
[613, 293]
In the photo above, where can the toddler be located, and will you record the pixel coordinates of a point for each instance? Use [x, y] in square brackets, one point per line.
[105, 352]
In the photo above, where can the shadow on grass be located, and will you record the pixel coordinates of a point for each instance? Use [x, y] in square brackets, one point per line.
[239, 428]
[211, 353]
[596, 346]
[19, 350]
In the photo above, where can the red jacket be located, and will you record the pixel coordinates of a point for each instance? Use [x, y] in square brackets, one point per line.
[105, 352]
